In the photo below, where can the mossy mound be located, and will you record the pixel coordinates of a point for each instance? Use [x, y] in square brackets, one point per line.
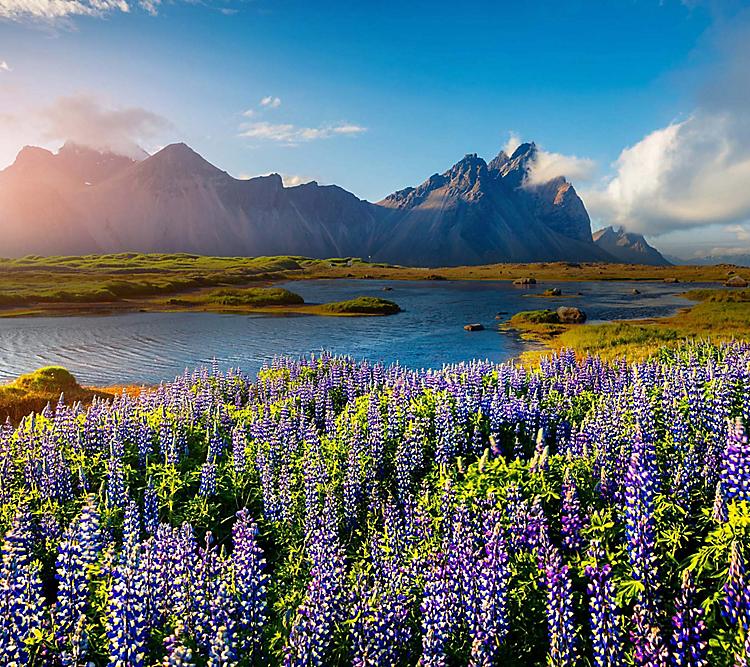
[536, 317]
[255, 296]
[363, 305]
[31, 392]
[48, 379]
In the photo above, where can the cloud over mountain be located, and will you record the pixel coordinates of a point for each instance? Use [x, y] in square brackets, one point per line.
[83, 120]
[695, 171]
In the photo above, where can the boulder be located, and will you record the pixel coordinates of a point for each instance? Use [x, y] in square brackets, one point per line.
[555, 291]
[570, 315]
[524, 281]
[635, 292]
[474, 327]
[387, 289]
[736, 281]
[671, 280]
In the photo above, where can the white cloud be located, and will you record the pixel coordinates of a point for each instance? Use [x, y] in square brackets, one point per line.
[289, 133]
[546, 166]
[692, 173]
[695, 172]
[62, 11]
[51, 10]
[248, 113]
[271, 102]
[4, 66]
[514, 141]
[83, 120]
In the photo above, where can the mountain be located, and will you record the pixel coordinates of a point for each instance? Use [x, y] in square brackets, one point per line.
[478, 213]
[79, 200]
[628, 248]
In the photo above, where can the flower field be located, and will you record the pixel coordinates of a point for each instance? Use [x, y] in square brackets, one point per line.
[331, 512]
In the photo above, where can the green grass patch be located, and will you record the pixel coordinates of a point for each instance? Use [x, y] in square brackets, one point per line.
[363, 305]
[253, 296]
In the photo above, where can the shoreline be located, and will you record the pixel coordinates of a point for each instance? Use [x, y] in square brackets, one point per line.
[110, 284]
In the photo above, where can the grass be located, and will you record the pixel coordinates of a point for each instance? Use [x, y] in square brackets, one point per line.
[363, 305]
[105, 283]
[253, 297]
[719, 315]
[33, 391]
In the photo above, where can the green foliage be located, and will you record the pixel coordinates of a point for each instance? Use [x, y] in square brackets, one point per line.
[367, 305]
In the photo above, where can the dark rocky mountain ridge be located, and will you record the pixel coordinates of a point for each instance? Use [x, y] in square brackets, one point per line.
[628, 247]
[84, 201]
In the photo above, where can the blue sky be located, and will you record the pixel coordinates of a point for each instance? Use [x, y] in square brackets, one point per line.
[376, 97]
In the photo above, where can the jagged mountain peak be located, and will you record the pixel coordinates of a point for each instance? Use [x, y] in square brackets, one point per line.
[628, 247]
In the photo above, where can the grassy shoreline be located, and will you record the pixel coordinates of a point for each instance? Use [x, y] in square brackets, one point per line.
[719, 315]
[130, 282]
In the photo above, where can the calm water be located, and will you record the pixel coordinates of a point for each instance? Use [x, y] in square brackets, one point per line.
[149, 347]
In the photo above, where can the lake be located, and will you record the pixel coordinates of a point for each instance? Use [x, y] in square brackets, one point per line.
[145, 348]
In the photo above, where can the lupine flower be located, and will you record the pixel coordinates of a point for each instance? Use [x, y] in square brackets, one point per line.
[649, 649]
[735, 472]
[736, 602]
[22, 609]
[571, 521]
[688, 644]
[323, 607]
[606, 630]
[77, 554]
[490, 623]
[439, 603]
[250, 584]
[560, 623]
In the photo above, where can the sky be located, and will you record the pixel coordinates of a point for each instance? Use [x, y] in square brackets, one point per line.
[643, 104]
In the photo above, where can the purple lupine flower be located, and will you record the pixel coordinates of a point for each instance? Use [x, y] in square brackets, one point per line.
[719, 512]
[127, 614]
[648, 644]
[571, 521]
[736, 602]
[490, 624]
[641, 486]
[735, 470]
[380, 633]
[150, 508]
[250, 585]
[239, 443]
[324, 604]
[208, 479]
[439, 603]
[604, 614]
[560, 622]
[77, 553]
[22, 606]
[688, 644]
[446, 441]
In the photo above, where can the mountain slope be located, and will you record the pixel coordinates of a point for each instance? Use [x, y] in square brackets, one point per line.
[477, 213]
[84, 201]
[628, 248]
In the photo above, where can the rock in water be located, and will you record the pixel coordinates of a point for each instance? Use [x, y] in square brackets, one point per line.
[571, 315]
[736, 281]
[474, 327]
[524, 281]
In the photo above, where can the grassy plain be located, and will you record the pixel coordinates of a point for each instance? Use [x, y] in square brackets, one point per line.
[92, 284]
[719, 315]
